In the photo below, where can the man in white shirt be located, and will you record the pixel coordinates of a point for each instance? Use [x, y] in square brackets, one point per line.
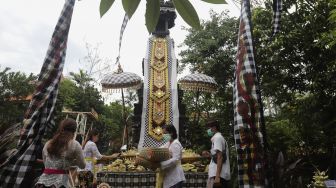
[219, 167]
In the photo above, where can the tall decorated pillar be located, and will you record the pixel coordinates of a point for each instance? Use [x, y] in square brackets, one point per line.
[160, 97]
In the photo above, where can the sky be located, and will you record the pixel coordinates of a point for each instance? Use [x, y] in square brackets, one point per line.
[26, 28]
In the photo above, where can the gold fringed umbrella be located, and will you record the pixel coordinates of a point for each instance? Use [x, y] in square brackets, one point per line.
[119, 81]
[198, 82]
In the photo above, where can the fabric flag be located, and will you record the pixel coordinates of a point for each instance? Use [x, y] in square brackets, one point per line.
[277, 9]
[247, 109]
[122, 29]
[16, 171]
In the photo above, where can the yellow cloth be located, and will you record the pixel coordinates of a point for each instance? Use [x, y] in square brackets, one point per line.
[94, 161]
[159, 178]
[90, 159]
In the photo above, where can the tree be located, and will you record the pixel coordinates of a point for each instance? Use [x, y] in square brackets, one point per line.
[95, 66]
[15, 89]
[82, 78]
[330, 37]
[297, 73]
[298, 70]
[77, 94]
[212, 51]
[114, 126]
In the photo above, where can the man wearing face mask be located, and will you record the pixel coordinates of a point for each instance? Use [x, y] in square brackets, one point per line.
[173, 173]
[219, 167]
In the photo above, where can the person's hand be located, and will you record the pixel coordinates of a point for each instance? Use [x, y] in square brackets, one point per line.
[217, 182]
[115, 155]
[205, 154]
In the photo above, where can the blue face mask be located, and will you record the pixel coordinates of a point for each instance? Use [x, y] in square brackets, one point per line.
[166, 137]
[210, 133]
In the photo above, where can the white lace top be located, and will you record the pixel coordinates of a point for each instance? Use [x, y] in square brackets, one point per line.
[91, 153]
[73, 156]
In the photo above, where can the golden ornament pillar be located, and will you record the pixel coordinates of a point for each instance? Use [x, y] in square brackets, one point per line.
[160, 100]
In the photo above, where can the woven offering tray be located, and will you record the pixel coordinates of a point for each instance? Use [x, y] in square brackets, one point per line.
[143, 162]
[155, 154]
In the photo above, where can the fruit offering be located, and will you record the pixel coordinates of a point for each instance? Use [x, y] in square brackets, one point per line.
[131, 152]
[117, 166]
[187, 153]
[194, 167]
[120, 165]
[189, 167]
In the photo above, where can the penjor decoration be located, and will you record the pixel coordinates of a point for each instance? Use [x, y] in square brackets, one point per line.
[16, 171]
[160, 83]
[247, 109]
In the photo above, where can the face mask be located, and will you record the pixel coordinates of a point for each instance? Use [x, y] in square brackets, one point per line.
[210, 133]
[166, 137]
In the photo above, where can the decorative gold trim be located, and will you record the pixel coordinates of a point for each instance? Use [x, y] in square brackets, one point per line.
[198, 86]
[159, 66]
[159, 80]
[168, 91]
[159, 89]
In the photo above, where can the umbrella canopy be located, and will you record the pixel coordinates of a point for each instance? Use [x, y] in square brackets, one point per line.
[198, 82]
[121, 80]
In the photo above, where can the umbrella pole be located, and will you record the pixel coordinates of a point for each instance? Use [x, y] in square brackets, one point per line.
[123, 116]
[196, 105]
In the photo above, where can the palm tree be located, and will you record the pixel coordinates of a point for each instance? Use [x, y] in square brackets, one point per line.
[82, 79]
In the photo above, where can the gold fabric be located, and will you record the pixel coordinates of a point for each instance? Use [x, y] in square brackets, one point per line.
[159, 100]
[159, 178]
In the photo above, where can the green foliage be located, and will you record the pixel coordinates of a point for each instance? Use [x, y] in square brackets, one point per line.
[152, 14]
[130, 6]
[282, 135]
[68, 92]
[297, 72]
[14, 88]
[82, 78]
[183, 7]
[205, 54]
[187, 12]
[215, 1]
[112, 118]
[104, 6]
[78, 94]
[329, 38]
[15, 84]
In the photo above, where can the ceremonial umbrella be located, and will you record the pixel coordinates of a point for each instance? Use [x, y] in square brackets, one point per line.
[198, 82]
[118, 81]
